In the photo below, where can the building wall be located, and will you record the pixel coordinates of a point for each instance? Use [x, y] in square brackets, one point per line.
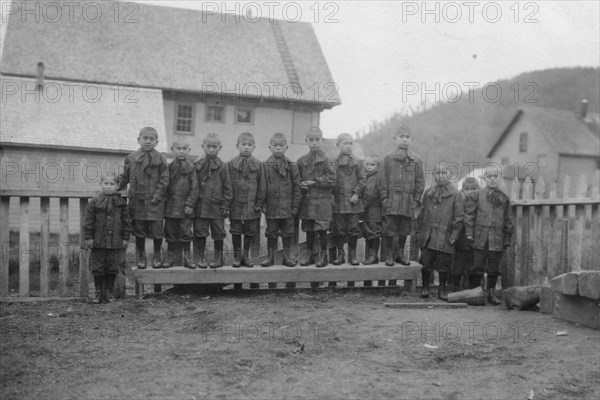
[575, 167]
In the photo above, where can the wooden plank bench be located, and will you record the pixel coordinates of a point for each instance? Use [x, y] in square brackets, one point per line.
[278, 273]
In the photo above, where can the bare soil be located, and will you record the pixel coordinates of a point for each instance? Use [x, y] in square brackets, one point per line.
[323, 343]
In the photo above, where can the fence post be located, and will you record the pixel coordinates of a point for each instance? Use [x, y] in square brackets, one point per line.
[83, 253]
[45, 254]
[24, 246]
[63, 273]
[4, 245]
[564, 244]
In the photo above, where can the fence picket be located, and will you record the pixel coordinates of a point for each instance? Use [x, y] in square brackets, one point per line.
[63, 238]
[45, 243]
[5, 245]
[24, 248]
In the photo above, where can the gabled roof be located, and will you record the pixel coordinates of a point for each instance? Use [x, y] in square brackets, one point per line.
[78, 120]
[174, 49]
[564, 130]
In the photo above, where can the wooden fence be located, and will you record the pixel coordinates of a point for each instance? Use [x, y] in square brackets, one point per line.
[554, 232]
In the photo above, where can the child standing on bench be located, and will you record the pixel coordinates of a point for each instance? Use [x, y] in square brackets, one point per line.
[372, 220]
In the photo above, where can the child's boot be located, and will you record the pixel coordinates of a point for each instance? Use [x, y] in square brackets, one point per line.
[218, 256]
[199, 252]
[367, 251]
[140, 252]
[287, 260]
[188, 262]
[170, 259]
[491, 291]
[340, 259]
[156, 263]
[425, 278]
[246, 255]
[401, 257]
[322, 262]
[374, 250]
[109, 283]
[98, 282]
[442, 295]
[389, 246]
[310, 242]
[237, 251]
[352, 251]
[270, 260]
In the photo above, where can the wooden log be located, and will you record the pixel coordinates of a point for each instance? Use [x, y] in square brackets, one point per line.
[473, 297]
[565, 284]
[546, 300]
[83, 255]
[588, 284]
[522, 297]
[581, 310]
[24, 245]
[45, 243]
[4, 245]
[63, 238]
[425, 305]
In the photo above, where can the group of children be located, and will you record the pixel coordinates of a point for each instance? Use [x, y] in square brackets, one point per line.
[376, 199]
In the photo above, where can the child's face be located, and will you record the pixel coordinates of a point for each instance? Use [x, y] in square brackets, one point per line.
[180, 151]
[147, 141]
[403, 141]
[314, 142]
[469, 190]
[345, 146]
[211, 148]
[440, 177]
[108, 185]
[491, 178]
[245, 147]
[278, 148]
[370, 165]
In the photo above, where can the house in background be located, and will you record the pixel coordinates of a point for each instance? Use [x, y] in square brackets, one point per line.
[550, 143]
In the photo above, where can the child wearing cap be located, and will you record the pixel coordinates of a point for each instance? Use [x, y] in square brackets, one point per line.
[317, 176]
[347, 192]
[402, 182]
[463, 261]
[372, 220]
[214, 201]
[182, 195]
[489, 227]
[282, 202]
[147, 173]
[441, 220]
[246, 174]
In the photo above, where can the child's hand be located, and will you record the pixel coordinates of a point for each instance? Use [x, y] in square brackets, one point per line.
[88, 243]
[304, 185]
[257, 209]
[155, 201]
[224, 213]
[295, 211]
[354, 198]
[188, 210]
[414, 204]
[125, 243]
[452, 241]
[469, 239]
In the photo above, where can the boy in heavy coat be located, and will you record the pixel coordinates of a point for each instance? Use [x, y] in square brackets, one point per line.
[489, 227]
[106, 230]
[317, 176]
[402, 181]
[463, 261]
[440, 221]
[147, 173]
[372, 220]
[282, 203]
[182, 195]
[347, 207]
[246, 174]
[214, 202]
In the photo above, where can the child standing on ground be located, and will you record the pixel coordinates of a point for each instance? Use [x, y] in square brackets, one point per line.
[372, 220]
[489, 227]
[182, 195]
[317, 176]
[106, 230]
[402, 182]
[214, 201]
[463, 262]
[282, 203]
[246, 174]
[147, 173]
[349, 187]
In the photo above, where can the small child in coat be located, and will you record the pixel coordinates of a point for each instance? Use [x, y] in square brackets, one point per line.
[106, 230]
[282, 203]
[463, 262]
[489, 227]
[347, 208]
[147, 173]
[440, 222]
[402, 182]
[317, 176]
[372, 226]
[246, 174]
[214, 202]
[182, 195]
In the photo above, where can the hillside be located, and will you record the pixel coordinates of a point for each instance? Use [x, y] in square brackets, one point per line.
[465, 131]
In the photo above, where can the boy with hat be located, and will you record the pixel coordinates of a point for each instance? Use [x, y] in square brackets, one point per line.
[317, 176]
[214, 201]
[247, 182]
[147, 173]
[402, 183]
[282, 203]
[463, 262]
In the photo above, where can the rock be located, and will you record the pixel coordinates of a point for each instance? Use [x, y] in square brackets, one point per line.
[588, 284]
[565, 284]
[522, 297]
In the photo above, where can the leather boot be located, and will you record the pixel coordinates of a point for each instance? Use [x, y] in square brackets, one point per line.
[425, 278]
[389, 246]
[367, 250]
[98, 282]
[322, 259]
[442, 295]
[188, 262]
[199, 252]
[156, 263]
[218, 255]
[491, 295]
[401, 258]
[352, 251]
[246, 255]
[287, 260]
[373, 251]
[341, 257]
[270, 260]
[109, 283]
[169, 261]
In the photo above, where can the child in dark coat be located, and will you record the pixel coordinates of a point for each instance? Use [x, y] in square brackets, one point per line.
[489, 227]
[402, 181]
[349, 187]
[246, 174]
[372, 220]
[463, 262]
[282, 203]
[147, 173]
[317, 176]
[182, 195]
[106, 230]
[214, 201]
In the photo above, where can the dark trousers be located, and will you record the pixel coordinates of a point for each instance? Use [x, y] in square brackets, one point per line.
[106, 261]
[436, 260]
[488, 261]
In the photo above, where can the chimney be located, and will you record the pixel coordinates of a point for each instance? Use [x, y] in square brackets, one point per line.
[584, 109]
[40, 76]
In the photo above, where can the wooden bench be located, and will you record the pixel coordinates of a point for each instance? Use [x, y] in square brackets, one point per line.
[278, 274]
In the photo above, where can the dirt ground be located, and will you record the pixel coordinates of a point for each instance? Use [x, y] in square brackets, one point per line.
[277, 344]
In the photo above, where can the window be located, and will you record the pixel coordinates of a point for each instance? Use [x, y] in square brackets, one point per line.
[542, 161]
[184, 119]
[244, 115]
[215, 114]
[523, 142]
